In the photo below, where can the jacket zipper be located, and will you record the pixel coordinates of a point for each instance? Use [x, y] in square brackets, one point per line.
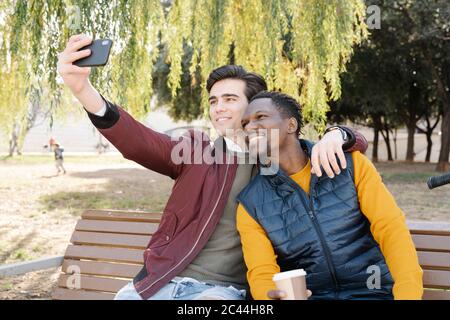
[200, 235]
[325, 248]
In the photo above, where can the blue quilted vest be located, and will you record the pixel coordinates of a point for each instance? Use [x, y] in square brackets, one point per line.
[325, 233]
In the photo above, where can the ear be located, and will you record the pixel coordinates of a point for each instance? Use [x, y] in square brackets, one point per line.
[292, 126]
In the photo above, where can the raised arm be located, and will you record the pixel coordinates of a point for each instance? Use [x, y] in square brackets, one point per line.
[134, 140]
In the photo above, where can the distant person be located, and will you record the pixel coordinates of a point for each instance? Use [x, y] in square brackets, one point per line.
[59, 158]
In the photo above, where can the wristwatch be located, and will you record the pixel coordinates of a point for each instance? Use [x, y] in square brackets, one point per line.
[343, 132]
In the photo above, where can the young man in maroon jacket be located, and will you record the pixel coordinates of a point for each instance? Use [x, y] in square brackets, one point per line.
[196, 251]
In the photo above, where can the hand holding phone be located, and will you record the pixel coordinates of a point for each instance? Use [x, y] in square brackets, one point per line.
[100, 50]
[77, 78]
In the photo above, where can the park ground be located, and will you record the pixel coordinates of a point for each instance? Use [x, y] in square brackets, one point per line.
[38, 210]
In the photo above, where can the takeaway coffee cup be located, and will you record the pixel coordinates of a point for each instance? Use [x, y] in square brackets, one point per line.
[292, 282]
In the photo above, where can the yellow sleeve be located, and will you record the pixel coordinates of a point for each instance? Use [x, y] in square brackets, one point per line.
[389, 229]
[258, 253]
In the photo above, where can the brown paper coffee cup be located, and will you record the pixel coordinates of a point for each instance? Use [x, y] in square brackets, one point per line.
[292, 282]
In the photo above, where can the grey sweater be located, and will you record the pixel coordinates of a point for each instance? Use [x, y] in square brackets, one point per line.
[221, 260]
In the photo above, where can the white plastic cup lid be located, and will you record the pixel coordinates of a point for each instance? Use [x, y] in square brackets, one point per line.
[289, 274]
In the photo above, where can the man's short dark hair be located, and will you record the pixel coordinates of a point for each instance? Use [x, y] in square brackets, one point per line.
[254, 82]
[287, 105]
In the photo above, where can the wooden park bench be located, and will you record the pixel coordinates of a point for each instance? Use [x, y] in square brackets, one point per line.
[106, 252]
[432, 241]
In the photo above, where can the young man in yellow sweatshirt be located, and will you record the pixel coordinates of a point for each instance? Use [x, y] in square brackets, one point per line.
[347, 233]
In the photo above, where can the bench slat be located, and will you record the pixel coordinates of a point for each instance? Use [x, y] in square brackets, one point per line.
[118, 215]
[436, 295]
[434, 260]
[431, 242]
[93, 283]
[142, 228]
[68, 294]
[436, 279]
[429, 227]
[104, 254]
[102, 268]
[110, 239]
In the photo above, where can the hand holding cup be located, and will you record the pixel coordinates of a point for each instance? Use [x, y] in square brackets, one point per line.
[291, 285]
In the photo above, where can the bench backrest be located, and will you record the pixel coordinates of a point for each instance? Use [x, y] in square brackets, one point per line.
[106, 252]
[432, 241]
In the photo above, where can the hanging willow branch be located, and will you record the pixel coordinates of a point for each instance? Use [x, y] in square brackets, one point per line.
[300, 46]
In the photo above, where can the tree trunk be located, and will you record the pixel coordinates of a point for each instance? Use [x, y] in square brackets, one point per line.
[12, 145]
[429, 146]
[14, 140]
[387, 140]
[445, 141]
[395, 144]
[21, 128]
[410, 145]
[376, 134]
[388, 146]
[428, 132]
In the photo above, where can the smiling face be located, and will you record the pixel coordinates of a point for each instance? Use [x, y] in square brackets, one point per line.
[266, 127]
[227, 101]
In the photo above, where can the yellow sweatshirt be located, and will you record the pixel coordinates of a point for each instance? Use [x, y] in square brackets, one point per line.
[388, 227]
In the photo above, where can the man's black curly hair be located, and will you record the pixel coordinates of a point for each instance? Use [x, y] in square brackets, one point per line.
[287, 105]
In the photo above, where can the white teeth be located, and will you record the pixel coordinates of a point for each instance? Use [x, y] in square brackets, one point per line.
[255, 137]
[222, 119]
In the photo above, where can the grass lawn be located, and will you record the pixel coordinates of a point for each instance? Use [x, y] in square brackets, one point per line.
[407, 182]
[46, 158]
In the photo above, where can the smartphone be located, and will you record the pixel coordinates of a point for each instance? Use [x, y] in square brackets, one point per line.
[100, 50]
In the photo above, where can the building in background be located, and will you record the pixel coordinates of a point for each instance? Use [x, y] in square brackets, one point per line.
[77, 134]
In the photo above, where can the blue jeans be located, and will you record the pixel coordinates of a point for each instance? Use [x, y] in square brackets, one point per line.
[185, 289]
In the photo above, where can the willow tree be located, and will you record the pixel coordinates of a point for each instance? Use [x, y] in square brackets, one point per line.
[16, 85]
[300, 46]
[28, 65]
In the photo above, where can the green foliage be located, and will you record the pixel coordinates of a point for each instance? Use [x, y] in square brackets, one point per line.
[301, 47]
[14, 73]
[389, 77]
